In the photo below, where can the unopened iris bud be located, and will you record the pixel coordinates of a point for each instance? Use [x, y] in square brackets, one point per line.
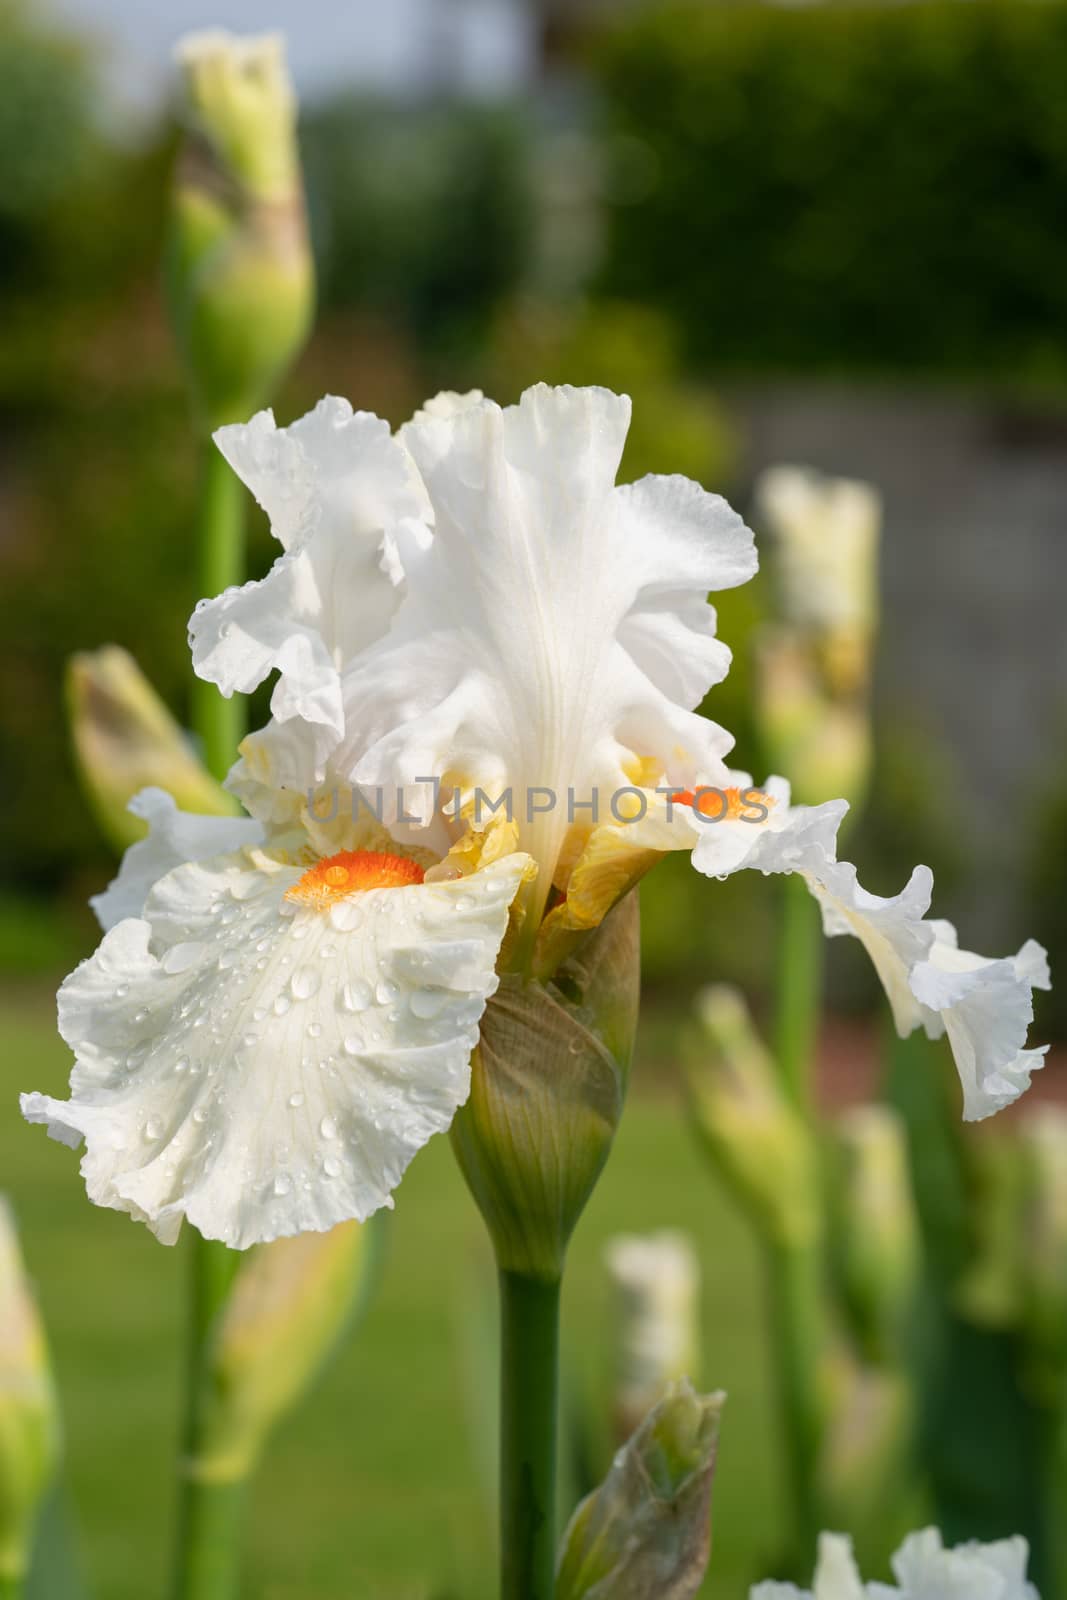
[826, 535]
[240, 272]
[656, 1279]
[756, 1137]
[814, 663]
[548, 1080]
[29, 1418]
[126, 740]
[289, 1306]
[647, 1529]
[823, 741]
[877, 1225]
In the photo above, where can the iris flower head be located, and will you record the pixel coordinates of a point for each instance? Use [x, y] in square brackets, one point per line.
[484, 729]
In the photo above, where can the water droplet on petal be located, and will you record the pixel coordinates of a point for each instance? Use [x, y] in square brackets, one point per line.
[296, 1099]
[281, 1005]
[153, 1128]
[282, 1183]
[314, 1029]
[427, 1002]
[328, 1128]
[249, 1039]
[353, 1045]
[331, 1167]
[357, 995]
[386, 993]
[304, 983]
[181, 1063]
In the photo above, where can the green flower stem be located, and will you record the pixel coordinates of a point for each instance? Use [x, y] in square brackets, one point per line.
[218, 723]
[10, 1588]
[209, 1546]
[529, 1422]
[799, 989]
[798, 1337]
[209, 1513]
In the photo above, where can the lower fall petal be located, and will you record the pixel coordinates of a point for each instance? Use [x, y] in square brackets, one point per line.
[264, 1067]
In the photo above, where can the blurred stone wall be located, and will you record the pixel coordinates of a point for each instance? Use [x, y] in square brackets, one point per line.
[974, 569]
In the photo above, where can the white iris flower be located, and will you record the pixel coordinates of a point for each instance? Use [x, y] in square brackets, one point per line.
[484, 729]
[923, 1568]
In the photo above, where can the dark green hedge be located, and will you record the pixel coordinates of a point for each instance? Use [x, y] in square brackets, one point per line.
[846, 186]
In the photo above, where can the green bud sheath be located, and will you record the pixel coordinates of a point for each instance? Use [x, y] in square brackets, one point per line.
[547, 1088]
[647, 1530]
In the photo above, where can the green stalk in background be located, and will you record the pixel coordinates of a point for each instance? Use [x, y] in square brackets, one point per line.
[798, 990]
[240, 282]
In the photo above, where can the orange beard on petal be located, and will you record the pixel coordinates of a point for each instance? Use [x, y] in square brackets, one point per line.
[723, 805]
[334, 877]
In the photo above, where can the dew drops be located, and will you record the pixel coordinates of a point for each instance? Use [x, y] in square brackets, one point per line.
[259, 1013]
[328, 1128]
[296, 1099]
[227, 959]
[304, 983]
[328, 951]
[427, 1003]
[357, 995]
[180, 957]
[332, 1167]
[153, 1128]
[282, 1184]
[281, 1005]
[249, 1039]
[353, 1045]
[314, 1029]
[386, 993]
[200, 1115]
[464, 902]
[181, 1064]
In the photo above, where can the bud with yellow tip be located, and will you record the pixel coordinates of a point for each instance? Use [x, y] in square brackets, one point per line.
[126, 740]
[814, 663]
[289, 1305]
[758, 1139]
[240, 272]
[29, 1418]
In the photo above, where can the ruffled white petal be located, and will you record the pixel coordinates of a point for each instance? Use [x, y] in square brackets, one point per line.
[556, 627]
[984, 1006]
[925, 1570]
[336, 485]
[173, 837]
[264, 1069]
[836, 1576]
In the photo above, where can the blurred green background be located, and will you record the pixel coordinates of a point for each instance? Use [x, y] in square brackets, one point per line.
[829, 234]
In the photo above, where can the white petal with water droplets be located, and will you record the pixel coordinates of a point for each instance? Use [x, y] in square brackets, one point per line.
[223, 1072]
[173, 837]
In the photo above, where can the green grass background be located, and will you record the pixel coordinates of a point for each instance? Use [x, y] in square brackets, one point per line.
[378, 1489]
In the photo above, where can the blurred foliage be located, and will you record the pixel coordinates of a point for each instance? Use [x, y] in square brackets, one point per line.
[421, 213]
[869, 186]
